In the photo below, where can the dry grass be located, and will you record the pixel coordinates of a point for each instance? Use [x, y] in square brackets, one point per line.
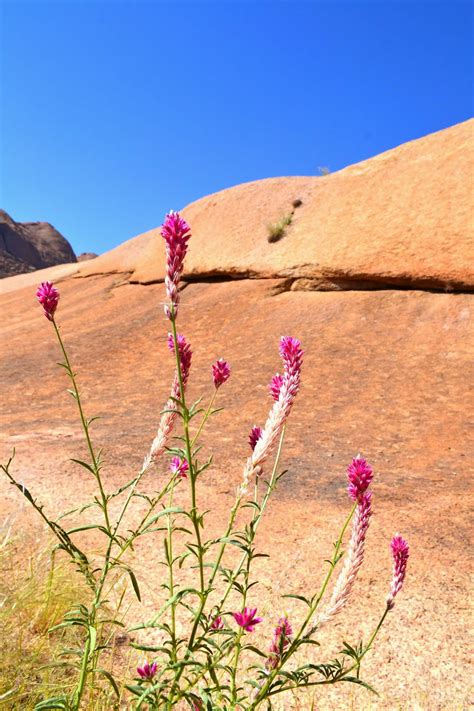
[277, 230]
[35, 593]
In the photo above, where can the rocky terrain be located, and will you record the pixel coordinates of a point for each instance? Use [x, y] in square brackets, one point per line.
[27, 246]
[374, 274]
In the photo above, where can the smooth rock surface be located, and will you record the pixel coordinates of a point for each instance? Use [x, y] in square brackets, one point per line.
[401, 218]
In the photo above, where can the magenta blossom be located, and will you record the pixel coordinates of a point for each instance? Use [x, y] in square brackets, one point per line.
[217, 623]
[281, 640]
[220, 372]
[292, 353]
[292, 356]
[275, 386]
[147, 671]
[359, 476]
[185, 354]
[179, 467]
[246, 619]
[48, 296]
[176, 233]
[254, 436]
[400, 554]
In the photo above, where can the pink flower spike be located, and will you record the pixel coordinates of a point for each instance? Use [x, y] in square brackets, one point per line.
[147, 671]
[217, 623]
[179, 467]
[275, 386]
[220, 372]
[185, 354]
[48, 296]
[176, 233]
[246, 619]
[254, 436]
[359, 476]
[292, 355]
[400, 554]
[281, 640]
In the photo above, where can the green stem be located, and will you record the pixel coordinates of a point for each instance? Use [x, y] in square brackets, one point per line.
[192, 473]
[294, 644]
[256, 520]
[355, 666]
[85, 427]
[169, 553]
[237, 569]
[233, 686]
[204, 419]
[83, 675]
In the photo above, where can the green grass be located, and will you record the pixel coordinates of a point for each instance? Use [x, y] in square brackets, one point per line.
[34, 596]
[277, 230]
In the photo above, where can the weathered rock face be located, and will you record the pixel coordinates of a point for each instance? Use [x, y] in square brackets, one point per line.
[402, 218]
[26, 246]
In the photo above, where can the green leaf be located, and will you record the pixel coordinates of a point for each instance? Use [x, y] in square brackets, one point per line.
[109, 678]
[55, 702]
[134, 584]
[299, 597]
[355, 680]
[84, 464]
[83, 528]
[93, 638]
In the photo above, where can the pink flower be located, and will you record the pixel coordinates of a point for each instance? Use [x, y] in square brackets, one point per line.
[147, 671]
[275, 386]
[281, 640]
[170, 413]
[359, 476]
[254, 436]
[185, 354]
[217, 623]
[176, 233]
[179, 467]
[400, 554]
[246, 619]
[48, 296]
[220, 372]
[292, 355]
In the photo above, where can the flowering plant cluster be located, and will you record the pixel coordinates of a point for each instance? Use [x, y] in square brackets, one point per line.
[205, 656]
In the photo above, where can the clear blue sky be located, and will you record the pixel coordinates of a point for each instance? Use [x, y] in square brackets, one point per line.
[116, 111]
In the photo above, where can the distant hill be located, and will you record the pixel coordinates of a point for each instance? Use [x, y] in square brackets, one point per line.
[27, 246]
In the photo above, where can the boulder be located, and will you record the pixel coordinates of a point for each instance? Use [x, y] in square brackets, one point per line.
[402, 218]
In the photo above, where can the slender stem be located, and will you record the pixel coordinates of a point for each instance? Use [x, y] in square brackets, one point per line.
[257, 519]
[85, 427]
[169, 553]
[83, 675]
[189, 457]
[294, 644]
[233, 687]
[204, 419]
[237, 569]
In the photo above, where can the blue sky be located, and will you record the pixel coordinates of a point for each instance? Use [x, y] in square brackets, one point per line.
[116, 111]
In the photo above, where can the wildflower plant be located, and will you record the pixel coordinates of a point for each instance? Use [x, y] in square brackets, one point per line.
[205, 656]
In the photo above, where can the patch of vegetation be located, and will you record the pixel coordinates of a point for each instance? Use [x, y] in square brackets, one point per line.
[297, 203]
[35, 594]
[277, 230]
